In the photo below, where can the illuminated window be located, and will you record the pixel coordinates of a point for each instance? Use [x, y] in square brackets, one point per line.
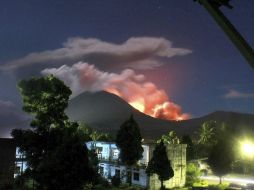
[98, 150]
[115, 153]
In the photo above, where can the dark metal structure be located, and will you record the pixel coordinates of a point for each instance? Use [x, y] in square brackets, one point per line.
[213, 7]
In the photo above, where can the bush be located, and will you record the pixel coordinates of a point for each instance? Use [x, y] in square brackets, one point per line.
[98, 187]
[22, 182]
[116, 181]
[133, 188]
[88, 186]
[192, 174]
[6, 186]
[102, 182]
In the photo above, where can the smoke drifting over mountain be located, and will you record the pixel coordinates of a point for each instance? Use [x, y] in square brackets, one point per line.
[136, 52]
[132, 87]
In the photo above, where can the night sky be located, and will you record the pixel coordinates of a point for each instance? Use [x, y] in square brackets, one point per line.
[173, 44]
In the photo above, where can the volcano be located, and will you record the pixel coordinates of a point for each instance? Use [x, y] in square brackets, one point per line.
[106, 112]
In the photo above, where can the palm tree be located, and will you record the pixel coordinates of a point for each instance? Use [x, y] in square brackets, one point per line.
[95, 136]
[207, 133]
[170, 138]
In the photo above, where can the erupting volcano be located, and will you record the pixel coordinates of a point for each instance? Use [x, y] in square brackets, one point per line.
[133, 88]
[167, 110]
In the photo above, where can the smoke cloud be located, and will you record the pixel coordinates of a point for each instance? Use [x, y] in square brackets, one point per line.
[132, 87]
[235, 94]
[136, 52]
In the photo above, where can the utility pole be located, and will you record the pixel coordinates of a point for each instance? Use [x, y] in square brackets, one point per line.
[213, 7]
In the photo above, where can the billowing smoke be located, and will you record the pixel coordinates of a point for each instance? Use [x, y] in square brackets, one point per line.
[132, 87]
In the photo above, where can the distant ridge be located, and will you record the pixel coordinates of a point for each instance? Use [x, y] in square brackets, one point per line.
[106, 112]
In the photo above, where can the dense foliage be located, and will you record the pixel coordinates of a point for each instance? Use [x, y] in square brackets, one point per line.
[54, 149]
[160, 164]
[129, 141]
[90, 134]
[221, 158]
[169, 138]
[192, 174]
[186, 139]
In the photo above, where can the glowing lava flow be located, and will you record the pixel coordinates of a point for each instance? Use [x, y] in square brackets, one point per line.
[139, 105]
[159, 109]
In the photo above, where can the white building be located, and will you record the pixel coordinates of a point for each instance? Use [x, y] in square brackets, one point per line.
[110, 165]
[20, 163]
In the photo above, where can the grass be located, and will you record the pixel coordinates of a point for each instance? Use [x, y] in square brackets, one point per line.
[202, 183]
[121, 187]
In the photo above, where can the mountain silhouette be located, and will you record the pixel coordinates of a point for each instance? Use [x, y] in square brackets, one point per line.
[105, 112]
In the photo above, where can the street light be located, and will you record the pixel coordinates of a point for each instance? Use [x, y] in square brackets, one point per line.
[247, 148]
[247, 152]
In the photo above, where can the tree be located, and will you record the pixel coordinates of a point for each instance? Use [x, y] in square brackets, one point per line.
[190, 147]
[207, 133]
[129, 141]
[170, 138]
[221, 158]
[46, 98]
[93, 135]
[85, 130]
[160, 164]
[207, 138]
[210, 133]
[93, 159]
[53, 147]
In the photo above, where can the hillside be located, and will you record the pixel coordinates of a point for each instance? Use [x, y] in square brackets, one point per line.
[106, 112]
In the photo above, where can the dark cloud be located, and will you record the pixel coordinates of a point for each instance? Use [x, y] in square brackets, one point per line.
[11, 117]
[136, 52]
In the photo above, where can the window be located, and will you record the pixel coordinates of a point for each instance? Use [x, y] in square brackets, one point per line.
[136, 176]
[99, 156]
[115, 153]
[98, 150]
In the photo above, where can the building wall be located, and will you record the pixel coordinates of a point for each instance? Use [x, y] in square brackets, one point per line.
[108, 154]
[139, 176]
[7, 161]
[20, 164]
[176, 154]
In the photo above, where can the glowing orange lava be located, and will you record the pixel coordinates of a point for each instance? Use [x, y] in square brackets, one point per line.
[180, 118]
[139, 105]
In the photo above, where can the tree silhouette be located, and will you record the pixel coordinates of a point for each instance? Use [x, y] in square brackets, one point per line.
[221, 158]
[129, 141]
[90, 134]
[186, 139]
[160, 164]
[53, 148]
